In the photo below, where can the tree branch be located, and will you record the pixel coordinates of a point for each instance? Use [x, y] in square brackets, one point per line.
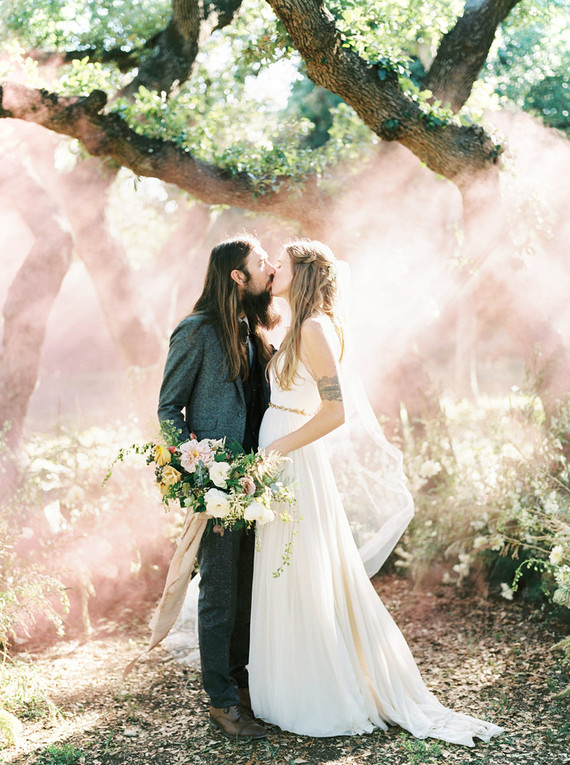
[174, 53]
[456, 152]
[464, 50]
[124, 60]
[223, 11]
[217, 14]
[107, 135]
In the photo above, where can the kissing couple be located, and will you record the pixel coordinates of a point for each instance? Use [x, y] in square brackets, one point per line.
[313, 651]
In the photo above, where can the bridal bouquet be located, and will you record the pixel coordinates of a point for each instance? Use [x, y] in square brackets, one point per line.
[222, 481]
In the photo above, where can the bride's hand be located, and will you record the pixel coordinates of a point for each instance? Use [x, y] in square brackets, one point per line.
[275, 446]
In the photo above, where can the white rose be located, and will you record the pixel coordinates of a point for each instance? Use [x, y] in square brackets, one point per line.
[217, 503]
[557, 555]
[267, 517]
[219, 472]
[258, 512]
[254, 511]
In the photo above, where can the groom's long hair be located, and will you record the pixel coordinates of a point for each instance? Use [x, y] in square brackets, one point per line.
[220, 302]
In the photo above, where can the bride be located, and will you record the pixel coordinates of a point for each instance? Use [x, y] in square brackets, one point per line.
[326, 658]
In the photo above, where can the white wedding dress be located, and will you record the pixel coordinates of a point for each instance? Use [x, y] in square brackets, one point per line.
[326, 658]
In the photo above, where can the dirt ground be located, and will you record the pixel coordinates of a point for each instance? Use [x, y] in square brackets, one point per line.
[489, 658]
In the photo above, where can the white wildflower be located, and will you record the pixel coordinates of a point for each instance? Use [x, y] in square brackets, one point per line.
[557, 555]
[430, 468]
[506, 591]
[74, 496]
[550, 504]
[510, 452]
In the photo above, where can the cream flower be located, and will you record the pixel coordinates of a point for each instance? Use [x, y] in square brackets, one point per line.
[557, 555]
[219, 472]
[169, 476]
[506, 591]
[258, 512]
[217, 503]
[162, 455]
[74, 496]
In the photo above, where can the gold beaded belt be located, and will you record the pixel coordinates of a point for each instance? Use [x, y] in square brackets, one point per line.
[288, 409]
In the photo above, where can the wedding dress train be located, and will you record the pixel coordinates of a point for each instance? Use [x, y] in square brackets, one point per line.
[326, 658]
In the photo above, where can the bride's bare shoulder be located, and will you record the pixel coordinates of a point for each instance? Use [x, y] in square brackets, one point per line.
[316, 336]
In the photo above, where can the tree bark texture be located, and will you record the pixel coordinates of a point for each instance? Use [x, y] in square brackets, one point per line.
[454, 151]
[179, 57]
[108, 135]
[464, 50]
[457, 152]
[174, 53]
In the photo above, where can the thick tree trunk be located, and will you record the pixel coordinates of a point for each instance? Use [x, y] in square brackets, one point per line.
[464, 49]
[174, 53]
[128, 316]
[465, 357]
[28, 304]
[502, 297]
[375, 94]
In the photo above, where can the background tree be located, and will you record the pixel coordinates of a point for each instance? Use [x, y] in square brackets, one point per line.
[165, 89]
[141, 133]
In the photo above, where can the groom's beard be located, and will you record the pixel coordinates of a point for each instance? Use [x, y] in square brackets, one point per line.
[259, 309]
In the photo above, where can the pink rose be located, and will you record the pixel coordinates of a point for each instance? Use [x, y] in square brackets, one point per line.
[247, 485]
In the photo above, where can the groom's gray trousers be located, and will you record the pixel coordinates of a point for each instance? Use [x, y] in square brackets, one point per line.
[224, 605]
[196, 381]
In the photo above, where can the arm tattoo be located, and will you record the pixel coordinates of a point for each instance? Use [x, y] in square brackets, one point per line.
[329, 388]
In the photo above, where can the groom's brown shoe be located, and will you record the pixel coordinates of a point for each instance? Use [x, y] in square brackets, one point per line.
[234, 724]
[245, 701]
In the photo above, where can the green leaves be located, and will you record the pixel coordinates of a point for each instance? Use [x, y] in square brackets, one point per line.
[83, 76]
[78, 24]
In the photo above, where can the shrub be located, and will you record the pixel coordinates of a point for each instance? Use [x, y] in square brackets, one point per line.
[492, 490]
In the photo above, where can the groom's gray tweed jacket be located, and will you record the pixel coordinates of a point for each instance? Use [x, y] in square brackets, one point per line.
[196, 380]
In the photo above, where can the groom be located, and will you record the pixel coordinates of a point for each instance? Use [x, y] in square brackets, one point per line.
[215, 372]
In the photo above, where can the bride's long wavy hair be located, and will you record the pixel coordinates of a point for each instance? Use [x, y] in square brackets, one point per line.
[313, 290]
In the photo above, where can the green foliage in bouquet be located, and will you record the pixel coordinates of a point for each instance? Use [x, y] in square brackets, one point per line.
[217, 478]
